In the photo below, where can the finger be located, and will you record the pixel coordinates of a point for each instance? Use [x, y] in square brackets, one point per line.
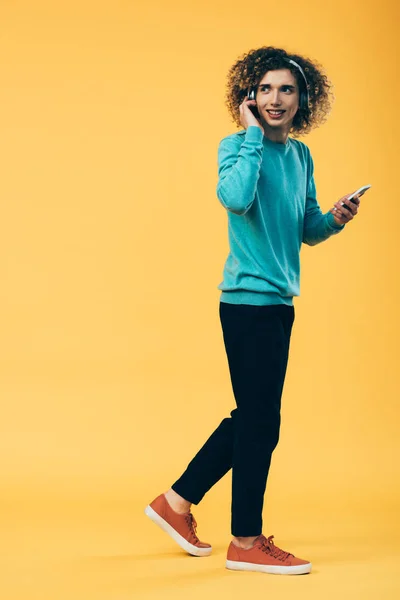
[345, 209]
[355, 200]
[353, 208]
[340, 218]
[352, 204]
[345, 203]
[338, 215]
[337, 212]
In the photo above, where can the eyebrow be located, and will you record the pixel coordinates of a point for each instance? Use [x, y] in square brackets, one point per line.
[283, 85]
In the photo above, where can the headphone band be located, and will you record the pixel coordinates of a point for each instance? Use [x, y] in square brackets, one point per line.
[302, 72]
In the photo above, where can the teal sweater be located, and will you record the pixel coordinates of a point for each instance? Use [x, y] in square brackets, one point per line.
[269, 192]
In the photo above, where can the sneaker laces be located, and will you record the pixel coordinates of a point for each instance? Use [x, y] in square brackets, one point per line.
[267, 545]
[191, 521]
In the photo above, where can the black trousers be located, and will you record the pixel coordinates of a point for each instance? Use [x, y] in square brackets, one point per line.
[257, 346]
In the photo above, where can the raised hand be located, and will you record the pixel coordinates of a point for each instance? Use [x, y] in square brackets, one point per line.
[247, 117]
[345, 211]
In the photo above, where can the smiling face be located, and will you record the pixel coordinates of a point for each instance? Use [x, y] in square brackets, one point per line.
[277, 90]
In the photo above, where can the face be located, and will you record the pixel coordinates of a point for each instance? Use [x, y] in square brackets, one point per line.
[278, 90]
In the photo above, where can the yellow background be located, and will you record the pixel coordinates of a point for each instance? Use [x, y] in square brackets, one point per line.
[112, 365]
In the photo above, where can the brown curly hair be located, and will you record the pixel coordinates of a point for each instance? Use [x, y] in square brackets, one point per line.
[250, 68]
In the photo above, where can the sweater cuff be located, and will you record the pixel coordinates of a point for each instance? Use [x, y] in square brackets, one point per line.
[332, 222]
[254, 134]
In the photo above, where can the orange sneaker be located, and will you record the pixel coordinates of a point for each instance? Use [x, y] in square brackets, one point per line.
[264, 556]
[181, 527]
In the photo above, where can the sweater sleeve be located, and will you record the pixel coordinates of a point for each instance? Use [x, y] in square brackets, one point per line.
[318, 226]
[239, 170]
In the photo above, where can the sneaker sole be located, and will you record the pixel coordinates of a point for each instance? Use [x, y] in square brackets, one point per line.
[179, 539]
[236, 565]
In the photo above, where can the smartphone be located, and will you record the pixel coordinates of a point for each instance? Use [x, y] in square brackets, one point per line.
[360, 192]
[254, 109]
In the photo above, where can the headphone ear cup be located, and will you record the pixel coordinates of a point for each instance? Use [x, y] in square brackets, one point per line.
[303, 101]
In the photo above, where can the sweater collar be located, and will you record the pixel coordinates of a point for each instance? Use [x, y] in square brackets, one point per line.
[279, 146]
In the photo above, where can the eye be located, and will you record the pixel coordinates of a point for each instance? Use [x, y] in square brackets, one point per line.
[265, 89]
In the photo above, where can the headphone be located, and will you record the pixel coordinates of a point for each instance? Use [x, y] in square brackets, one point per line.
[304, 96]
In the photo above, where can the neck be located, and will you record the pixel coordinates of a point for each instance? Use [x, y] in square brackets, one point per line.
[278, 135]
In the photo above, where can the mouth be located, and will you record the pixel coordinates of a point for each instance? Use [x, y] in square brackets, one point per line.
[276, 114]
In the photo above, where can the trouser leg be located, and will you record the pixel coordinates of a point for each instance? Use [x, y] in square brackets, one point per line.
[257, 343]
[207, 467]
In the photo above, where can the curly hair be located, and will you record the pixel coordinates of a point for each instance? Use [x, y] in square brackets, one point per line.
[250, 68]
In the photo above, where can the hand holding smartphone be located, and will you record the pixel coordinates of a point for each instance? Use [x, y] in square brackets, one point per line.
[249, 114]
[342, 202]
[359, 192]
[253, 107]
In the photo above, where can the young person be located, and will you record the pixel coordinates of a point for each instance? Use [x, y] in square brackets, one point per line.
[266, 184]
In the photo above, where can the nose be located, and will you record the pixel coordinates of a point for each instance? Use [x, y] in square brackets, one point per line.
[275, 99]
